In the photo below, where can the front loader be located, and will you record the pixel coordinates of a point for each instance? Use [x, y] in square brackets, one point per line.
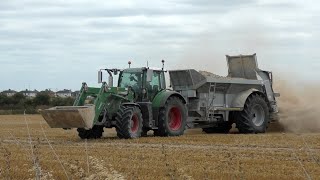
[140, 102]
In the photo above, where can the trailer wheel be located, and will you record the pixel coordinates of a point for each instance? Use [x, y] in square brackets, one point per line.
[129, 122]
[220, 128]
[255, 116]
[94, 133]
[172, 118]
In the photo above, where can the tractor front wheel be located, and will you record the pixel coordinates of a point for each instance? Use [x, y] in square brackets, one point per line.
[129, 122]
[172, 118]
[94, 133]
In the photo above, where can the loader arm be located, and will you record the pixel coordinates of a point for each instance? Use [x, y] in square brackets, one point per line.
[85, 91]
[100, 97]
[82, 115]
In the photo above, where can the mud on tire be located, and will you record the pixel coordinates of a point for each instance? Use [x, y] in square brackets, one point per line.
[255, 116]
[172, 118]
[129, 122]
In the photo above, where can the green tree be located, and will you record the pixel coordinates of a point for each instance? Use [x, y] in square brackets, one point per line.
[4, 100]
[58, 101]
[17, 100]
[42, 98]
[28, 103]
[68, 101]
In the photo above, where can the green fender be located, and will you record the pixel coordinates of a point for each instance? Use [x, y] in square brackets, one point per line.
[160, 100]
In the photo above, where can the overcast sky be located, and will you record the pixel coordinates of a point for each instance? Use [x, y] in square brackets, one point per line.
[59, 44]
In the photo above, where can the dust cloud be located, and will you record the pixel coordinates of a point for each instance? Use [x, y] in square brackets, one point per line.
[200, 54]
[298, 106]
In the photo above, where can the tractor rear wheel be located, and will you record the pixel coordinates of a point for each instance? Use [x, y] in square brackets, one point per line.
[172, 118]
[220, 128]
[94, 133]
[254, 118]
[129, 122]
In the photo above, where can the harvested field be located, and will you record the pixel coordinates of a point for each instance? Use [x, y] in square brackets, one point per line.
[60, 154]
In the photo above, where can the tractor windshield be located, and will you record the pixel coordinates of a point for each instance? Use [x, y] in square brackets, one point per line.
[133, 79]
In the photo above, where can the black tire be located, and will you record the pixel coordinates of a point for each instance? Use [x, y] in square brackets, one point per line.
[223, 128]
[94, 133]
[255, 116]
[129, 122]
[172, 118]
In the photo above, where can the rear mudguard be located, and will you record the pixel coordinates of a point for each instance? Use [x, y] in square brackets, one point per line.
[160, 100]
[241, 98]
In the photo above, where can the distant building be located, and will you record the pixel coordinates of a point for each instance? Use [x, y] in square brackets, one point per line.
[30, 93]
[64, 93]
[49, 92]
[75, 94]
[9, 92]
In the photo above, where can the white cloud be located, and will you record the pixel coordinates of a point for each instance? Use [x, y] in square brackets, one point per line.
[60, 39]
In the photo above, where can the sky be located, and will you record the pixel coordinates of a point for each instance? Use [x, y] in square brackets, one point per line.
[59, 44]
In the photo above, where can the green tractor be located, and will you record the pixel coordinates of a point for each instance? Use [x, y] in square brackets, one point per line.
[139, 103]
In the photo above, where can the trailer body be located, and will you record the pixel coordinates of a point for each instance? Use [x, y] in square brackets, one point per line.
[211, 98]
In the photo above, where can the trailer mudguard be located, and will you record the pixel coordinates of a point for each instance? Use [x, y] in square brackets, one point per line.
[160, 100]
[241, 98]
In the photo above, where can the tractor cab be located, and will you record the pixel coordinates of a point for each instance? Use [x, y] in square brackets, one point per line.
[144, 82]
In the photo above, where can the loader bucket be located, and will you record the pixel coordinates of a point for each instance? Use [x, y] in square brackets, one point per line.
[69, 116]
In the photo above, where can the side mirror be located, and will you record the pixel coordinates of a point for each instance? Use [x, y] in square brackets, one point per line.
[99, 76]
[149, 75]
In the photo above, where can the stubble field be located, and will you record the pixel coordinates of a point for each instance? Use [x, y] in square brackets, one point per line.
[60, 154]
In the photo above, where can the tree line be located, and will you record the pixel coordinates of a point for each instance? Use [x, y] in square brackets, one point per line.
[17, 103]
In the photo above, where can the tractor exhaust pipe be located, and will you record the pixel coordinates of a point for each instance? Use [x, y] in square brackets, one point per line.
[110, 78]
[110, 83]
[99, 76]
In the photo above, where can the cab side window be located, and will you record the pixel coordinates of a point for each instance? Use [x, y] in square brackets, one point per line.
[154, 86]
[155, 83]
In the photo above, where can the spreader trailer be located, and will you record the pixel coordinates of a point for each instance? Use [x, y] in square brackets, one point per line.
[244, 97]
[141, 102]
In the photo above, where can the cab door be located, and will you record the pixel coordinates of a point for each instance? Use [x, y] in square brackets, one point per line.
[154, 85]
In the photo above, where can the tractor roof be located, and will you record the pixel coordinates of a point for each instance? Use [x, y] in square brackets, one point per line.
[134, 70]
